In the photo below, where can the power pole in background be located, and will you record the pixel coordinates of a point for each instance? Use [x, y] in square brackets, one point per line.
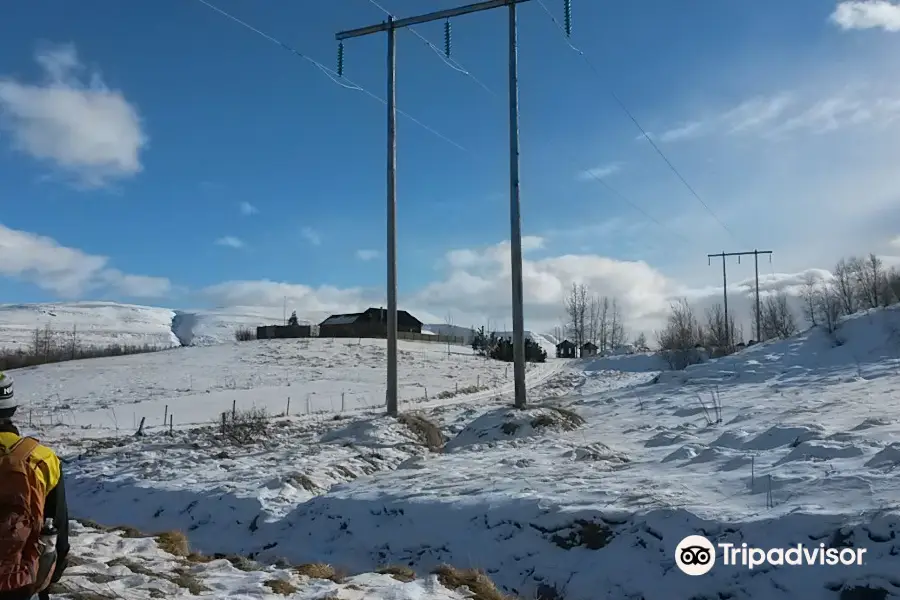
[755, 254]
[390, 27]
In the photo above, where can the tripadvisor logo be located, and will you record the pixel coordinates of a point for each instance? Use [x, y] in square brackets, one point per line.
[696, 555]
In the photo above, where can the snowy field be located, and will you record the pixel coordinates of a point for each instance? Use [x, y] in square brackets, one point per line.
[302, 377]
[583, 496]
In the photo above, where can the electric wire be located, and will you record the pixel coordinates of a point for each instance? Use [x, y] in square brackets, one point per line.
[634, 120]
[450, 62]
[332, 75]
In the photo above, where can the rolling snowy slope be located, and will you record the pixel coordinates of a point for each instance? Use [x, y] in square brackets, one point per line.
[106, 323]
[91, 323]
[585, 494]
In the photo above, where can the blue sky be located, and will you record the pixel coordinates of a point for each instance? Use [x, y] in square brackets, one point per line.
[210, 166]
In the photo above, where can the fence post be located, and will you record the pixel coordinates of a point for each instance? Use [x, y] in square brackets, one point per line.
[171, 424]
[287, 411]
[342, 401]
[166, 415]
[140, 430]
[478, 381]
[224, 417]
[426, 394]
[308, 407]
[233, 409]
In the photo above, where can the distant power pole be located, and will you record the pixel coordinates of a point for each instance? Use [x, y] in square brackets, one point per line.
[390, 27]
[755, 254]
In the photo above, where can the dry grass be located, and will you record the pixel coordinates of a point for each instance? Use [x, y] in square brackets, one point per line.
[133, 566]
[427, 432]
[280, 586]
[399, 572]
[189, 581]
[320, 571]
[174, 542]
[479, 584]
[558, 417]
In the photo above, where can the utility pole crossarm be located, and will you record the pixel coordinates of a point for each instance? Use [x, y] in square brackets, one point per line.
[755, 254]
[751, 253]
[435, 16]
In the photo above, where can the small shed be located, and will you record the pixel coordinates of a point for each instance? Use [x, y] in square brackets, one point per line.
[589, 349]
[565, 349]
[281, 332]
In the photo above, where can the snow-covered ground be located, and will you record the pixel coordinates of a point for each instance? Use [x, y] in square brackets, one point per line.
[126, 564]
[584, 495]
[198, 383]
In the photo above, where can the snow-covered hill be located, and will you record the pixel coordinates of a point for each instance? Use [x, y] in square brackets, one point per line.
[106, 323]
[583, 496]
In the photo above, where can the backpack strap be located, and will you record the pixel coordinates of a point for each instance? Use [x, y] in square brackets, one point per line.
[23, 448]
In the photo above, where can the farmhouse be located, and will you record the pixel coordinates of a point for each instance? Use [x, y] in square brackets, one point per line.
[368, 324]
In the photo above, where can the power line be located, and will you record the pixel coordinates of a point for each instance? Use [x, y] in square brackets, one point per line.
[332, 75]
[634, 120]
[450, 62]
[346, 83]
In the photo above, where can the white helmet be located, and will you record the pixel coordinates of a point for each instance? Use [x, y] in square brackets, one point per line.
[6, 392]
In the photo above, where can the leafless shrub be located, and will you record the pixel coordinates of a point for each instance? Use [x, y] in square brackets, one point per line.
[244, 334]
[245, 427]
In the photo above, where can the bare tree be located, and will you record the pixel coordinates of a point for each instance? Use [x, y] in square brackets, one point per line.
[576, 305]
[829, 306]
[892, 285]
[593, 323]
[616, 325]
[719, 332]
[640, 343]
[866, 273]
[777, 320]
[603, 333]
[677, 342]
[811, 294]
[845, 287]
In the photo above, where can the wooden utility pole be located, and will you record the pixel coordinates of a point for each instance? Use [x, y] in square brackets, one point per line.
[755, 254]
[390, 27]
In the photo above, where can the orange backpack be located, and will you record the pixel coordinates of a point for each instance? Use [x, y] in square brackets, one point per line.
[21, 520]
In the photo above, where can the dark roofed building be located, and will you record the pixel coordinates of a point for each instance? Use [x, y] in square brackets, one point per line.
[367, 324]
[589, 349]
[565, 349]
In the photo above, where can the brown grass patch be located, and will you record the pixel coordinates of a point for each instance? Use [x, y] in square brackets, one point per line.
[174, 542]
[479, 584]
[399, 572]
[559, 417]
[189, 581]
[427, 432]
[304, 482]
[320, 571]
[280, 586]
[133, 566]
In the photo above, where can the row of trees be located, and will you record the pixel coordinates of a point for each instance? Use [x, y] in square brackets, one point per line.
[489, 345]
[50, 346]
[856, 284]
[592, 318]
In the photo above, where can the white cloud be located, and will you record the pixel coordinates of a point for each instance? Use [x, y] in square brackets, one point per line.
[248, 209]
[230, 241]
[867, 14]
[784, 113]
[684, 131]
[68, 272]
[367, 255]
[73, 121]
[311, 236]
[895, 242]
[600, 172]
[309, 302]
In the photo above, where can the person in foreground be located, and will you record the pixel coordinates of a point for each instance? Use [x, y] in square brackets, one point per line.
[34, 520]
